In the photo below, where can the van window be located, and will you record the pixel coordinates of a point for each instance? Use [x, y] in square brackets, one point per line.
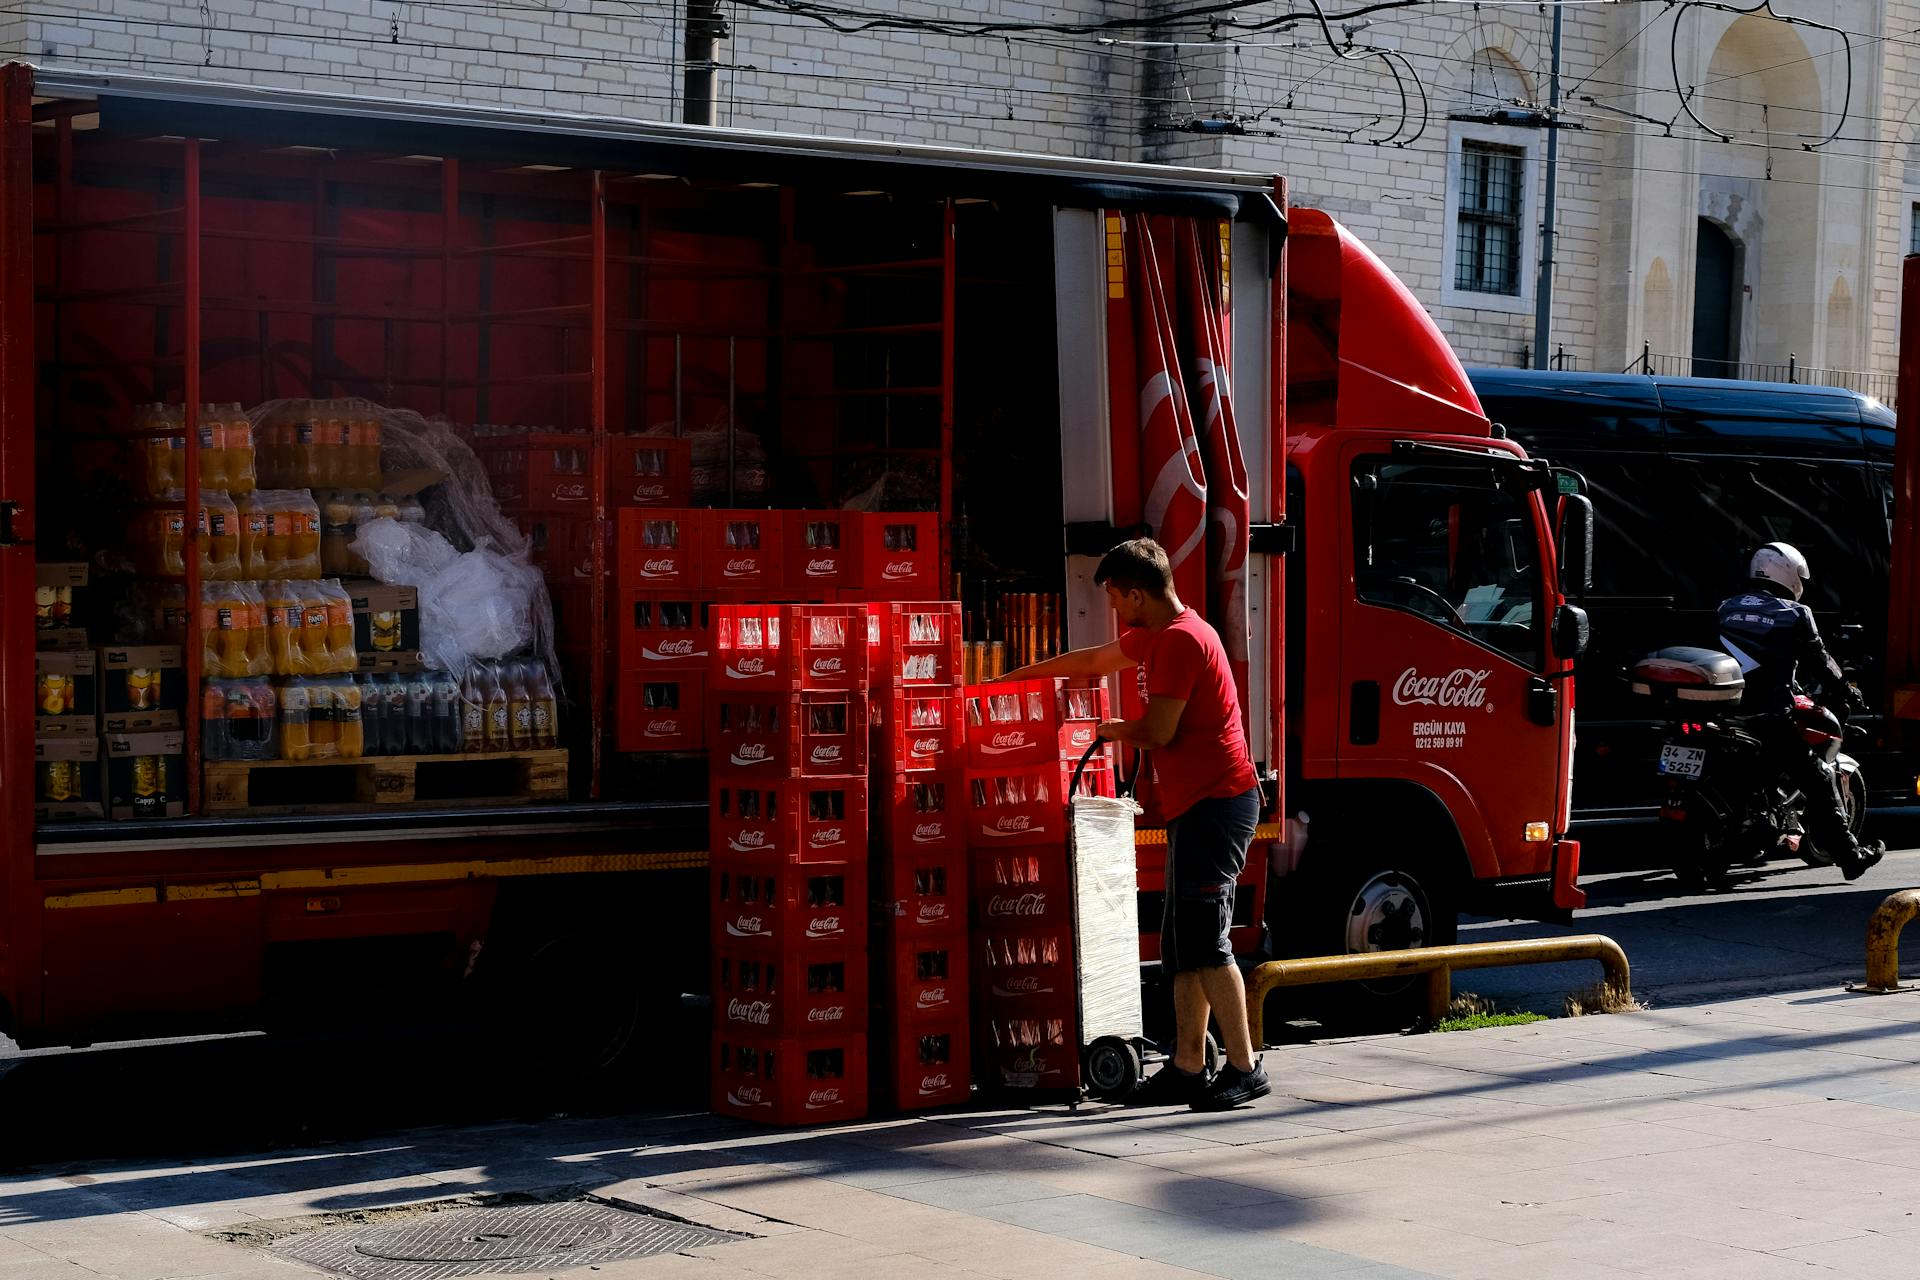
[1720, 509]
[1735, 419]
[1453, 542]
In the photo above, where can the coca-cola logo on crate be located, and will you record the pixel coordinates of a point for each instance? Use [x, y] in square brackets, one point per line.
[749, 753]
[820, 1099]
[661, 568]
[827, 837]
[663, 729]
[822, 568]
[1004, 741]
[570, 493]
[1024, 985]
[824, 927]
[895, 570]
[932, 912]
[933, 1084]
[932, 997]
[745, 567]
[748, 1096]
[748, 927]
[835, 1013]
[926, 746]
[828, 665]
[747, 668]
[1021, 904]
[929, 832]
[665, 649]
[754, 1012]
[1010, 825]
[826, 754]
[749, 841]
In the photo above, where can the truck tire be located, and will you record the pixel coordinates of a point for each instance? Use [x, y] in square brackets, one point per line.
[1346, 905]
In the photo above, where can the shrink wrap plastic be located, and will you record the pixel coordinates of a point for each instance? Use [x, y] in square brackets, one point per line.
[474, 605]
[1106, 917]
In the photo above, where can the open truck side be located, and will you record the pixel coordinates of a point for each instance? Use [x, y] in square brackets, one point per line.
[1409, 640]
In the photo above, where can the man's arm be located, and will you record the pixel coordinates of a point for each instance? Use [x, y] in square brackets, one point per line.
[1151, 731]
[1100, 660]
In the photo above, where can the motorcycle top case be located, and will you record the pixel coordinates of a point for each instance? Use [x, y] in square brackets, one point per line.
[1686, 674]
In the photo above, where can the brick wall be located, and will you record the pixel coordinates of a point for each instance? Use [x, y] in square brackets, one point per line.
[1307, 114]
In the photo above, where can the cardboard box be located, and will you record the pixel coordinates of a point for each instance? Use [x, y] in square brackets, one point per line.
[66, 778]
[66, 695]
[143, 688]
[386, 626]
[146, 775]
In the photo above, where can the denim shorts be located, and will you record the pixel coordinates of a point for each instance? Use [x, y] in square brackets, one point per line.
[1206, 852]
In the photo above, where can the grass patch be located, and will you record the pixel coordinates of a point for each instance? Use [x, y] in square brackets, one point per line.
[1480, 1021]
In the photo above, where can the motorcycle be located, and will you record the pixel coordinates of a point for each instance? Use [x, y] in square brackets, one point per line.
[1727, 803]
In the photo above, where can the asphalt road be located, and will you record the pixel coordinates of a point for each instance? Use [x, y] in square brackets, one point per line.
[1786, 928]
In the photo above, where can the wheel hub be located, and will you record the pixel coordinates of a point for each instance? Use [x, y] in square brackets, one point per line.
[1389, 913]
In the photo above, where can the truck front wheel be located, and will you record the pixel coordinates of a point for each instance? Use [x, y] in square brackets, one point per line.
[1346, 906]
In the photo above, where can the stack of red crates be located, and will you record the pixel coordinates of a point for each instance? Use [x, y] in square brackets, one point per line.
[1024, 740]
[674, 565]
[787, 717]
[543, 481]
[921, 1007]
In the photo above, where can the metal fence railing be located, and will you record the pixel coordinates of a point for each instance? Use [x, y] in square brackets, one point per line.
[1881, 386]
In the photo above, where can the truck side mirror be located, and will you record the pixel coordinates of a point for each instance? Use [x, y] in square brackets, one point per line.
[1570, 631]
[1576, 545]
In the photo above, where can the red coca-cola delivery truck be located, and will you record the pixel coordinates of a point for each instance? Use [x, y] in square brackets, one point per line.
[989, 340]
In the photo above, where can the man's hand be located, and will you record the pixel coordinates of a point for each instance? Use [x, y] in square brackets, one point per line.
[1151, 731]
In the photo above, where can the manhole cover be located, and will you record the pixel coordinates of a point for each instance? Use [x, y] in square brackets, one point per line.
[495, 1240]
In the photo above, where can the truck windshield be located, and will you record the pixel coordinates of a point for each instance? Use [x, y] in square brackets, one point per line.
[1453, 542]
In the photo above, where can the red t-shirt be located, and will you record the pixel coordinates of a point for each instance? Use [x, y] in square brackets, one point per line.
[1207, 758]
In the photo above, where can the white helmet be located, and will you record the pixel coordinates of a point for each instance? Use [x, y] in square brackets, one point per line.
[1778, 562]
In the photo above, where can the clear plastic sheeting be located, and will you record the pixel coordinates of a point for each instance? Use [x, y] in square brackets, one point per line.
[474, 605]
[470, 608]
[1106, 918]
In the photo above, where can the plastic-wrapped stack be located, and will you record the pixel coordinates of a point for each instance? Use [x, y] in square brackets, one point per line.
[788, 729]
[919, 861]
[1024, 739]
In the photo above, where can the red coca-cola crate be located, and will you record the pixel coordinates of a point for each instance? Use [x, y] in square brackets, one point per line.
[924, 1062]
[1248, 930]
[1025, 884]
[787, 906]
[742, 551]
[649, 471]
[1027, 804]
[823, 551]
[921, 891]
[657, 549]
[660, 711]
[922, 973]
[539, 470]
[900, 556]
[790, 1080]
[1029, 1051]
[787, 647]
[1024, 967]
[919, 729]
[789, 993]
[916, 644]
[788, 735]
[792, 820]
[559, 545]
[1031, 721]
[921, 812]
[662, 631]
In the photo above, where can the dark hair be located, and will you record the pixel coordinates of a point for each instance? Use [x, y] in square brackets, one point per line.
[1139, 565]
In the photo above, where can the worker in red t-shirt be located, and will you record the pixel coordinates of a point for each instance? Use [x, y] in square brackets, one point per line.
[1207, 790]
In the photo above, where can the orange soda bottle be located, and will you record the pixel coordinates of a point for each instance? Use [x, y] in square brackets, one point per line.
[213, 447]
[350, 726]
[255, 564]
[296, 713]
[340, 626]
[303, 535]
[242, 474]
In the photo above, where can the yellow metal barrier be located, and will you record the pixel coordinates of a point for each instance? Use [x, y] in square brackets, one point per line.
[1438, 963]
[1883, 941]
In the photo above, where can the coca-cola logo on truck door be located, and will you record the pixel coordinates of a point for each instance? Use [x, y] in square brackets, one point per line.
[1458, 688]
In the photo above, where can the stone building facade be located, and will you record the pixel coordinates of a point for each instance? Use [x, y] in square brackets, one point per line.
[1730, 187]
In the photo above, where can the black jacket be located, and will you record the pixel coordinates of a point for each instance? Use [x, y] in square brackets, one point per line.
[1773, 638]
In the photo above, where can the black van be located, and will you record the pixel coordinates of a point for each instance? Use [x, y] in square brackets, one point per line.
[1688, 476]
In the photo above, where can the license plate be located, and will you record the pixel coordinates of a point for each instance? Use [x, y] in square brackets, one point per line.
[1682, 762]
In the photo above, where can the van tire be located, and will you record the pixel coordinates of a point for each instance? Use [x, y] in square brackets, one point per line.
[1344, 905]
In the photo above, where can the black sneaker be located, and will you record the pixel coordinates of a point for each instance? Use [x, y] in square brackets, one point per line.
[1234, 1088]
[1169, 1087]
[1867, 856]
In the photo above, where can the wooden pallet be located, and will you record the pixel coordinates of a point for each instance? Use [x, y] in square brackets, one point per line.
[284, 787]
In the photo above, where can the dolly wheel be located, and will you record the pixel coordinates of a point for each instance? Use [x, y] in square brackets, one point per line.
[1113, 1068]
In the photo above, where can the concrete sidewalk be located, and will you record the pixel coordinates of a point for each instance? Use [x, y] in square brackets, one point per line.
[1753, 1139]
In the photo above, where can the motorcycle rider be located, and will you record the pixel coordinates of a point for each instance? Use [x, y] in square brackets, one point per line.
[1772, 636]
